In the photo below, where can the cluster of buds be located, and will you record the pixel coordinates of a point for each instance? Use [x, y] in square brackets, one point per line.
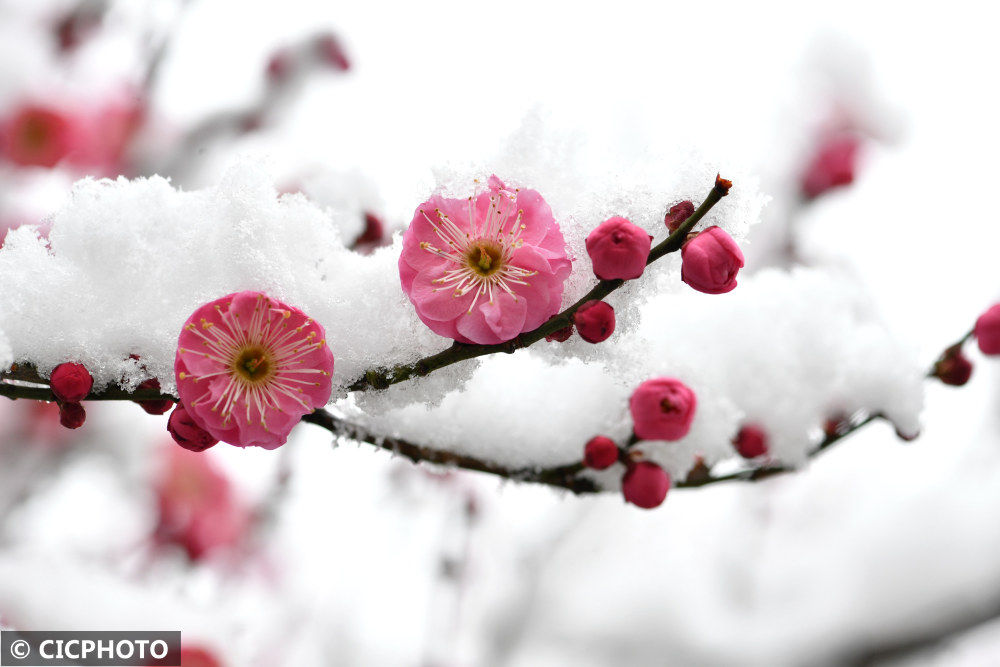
[324, 50]
[662, 409]
[953, 367]
[70, 383]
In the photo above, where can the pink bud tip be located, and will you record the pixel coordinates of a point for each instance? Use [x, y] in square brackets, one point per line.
[677, 214]
[279, 66]
[595, 321]
[187, 433]
[560, 335]
[332, 52]
[600, 452]
[832, 166]
[70, 382]
[953, 369]
[645, 485]
[72, 415]
[987, 331]
[710, 262]
[618, 249]
[662, 409]
[751, 441]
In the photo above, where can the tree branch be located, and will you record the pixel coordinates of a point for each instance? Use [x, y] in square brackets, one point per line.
[383, 378]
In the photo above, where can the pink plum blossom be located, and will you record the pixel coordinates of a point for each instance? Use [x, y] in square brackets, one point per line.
[198, 509]
[662, 409]
[484, 269]
[710, 262]
[37, 136]
[248, 367]
[618, 249]
[94, 139]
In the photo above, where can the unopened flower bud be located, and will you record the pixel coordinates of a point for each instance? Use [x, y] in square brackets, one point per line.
[710, 262]
[600, 452]
[677, 214]
[70, 382]
[72, 415]
[595, 321]
[156, 407]
[279, 66]
[987, 331]
[374, 230]
[751, 441]
[832, 166]
[187, 433]
[662, 409]
[560, 335]
[618, 249]
[331, 51]
[645, 484]
[953, 368]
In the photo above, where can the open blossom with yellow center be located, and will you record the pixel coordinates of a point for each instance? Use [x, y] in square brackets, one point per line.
[248, 367]
[484, 269]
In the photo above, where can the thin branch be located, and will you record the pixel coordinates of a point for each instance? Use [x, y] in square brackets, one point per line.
[382, 378]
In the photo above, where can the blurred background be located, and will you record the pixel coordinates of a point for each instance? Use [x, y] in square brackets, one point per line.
[872, 129]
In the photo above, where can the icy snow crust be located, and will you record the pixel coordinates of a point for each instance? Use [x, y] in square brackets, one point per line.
[128, 261]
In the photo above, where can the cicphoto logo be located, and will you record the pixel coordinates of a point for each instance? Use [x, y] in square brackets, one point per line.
[119, 649]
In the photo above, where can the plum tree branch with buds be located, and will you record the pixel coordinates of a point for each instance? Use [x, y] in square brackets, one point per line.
[383, 378]
[23, 381]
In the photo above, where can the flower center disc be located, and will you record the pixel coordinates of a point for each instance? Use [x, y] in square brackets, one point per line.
[485, 258]
[253, 364]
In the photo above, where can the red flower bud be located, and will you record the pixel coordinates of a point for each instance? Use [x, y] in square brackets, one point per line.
[832, 166]
[157, 407]
[560, 335]
[595, 321]
[196, 656]
[70, 382]
[751, 441]
[374, 230]
[280, 65]
[677, 214]
[618, 249]
[710, 262]
[600, 452]
[332, 52]
[987, 331]
[187, 433]
[954, 368]
[662, 409]
[645, 484]
[72, 415]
